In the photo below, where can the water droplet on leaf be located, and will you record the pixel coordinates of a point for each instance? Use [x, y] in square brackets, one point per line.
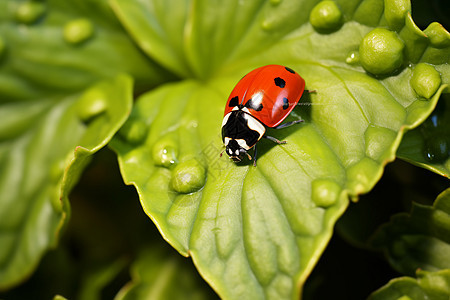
[437, 149]
[352, 58]
[165, 151]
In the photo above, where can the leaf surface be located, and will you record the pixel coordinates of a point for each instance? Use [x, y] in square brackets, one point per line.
[419, 240]
[52, 141]
[155, 274]
[39, 59]
[51, 52]
[258, 232]
[428, 146]
[428, 285]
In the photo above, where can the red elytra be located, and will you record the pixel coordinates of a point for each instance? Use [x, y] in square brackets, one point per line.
[277, 88]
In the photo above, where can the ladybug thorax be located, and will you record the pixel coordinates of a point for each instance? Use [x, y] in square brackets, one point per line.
[240, 132]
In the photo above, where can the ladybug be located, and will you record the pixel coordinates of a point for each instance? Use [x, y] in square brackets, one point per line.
[262, 98]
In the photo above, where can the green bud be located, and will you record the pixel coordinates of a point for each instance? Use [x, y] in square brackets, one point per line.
[29, 12]
[425, 80]
[134, 131]
[91, 104]
[360, 175]
[395, 12]
[326, 16]
[325, 192]
[188, 177]
[78, 31]
[381, 52]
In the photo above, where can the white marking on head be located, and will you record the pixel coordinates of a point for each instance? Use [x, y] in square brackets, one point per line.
[227, 140]
[243, 144]
[255, 125]
[235, 108]
[225, 119]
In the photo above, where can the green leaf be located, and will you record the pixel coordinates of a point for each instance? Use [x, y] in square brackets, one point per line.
[201, 36]
[44, 145]
[258, 232]
[428, 146]
[428, 285]
[95, 281]
[44, 58]
[419, 240]
[50, 51]
[158, 275]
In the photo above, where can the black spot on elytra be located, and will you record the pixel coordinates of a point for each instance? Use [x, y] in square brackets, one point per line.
[254, 106]
[280, 82]
[234, 101]
[289, 70]
[285, 103]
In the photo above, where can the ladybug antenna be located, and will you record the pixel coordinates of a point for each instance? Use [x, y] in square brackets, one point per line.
[220, 155]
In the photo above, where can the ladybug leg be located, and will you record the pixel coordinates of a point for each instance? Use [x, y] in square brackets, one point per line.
[254, 156]
[274, 139]
[288, 124]
[311, 91]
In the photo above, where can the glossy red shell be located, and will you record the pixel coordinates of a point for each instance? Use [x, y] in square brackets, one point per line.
[276, 87]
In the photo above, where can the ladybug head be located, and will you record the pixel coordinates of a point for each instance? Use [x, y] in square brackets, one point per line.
[235, 151]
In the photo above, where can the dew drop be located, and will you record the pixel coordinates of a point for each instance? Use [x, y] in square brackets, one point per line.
[352, 58]
[165, 151]
[275, 2]
[437, 149]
